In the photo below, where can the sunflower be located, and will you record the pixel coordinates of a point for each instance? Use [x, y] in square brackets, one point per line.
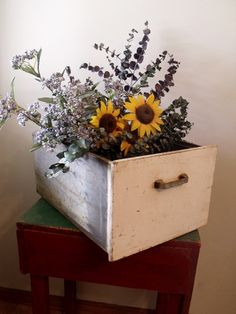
[107, 118]
[125, 146]
[144, 114]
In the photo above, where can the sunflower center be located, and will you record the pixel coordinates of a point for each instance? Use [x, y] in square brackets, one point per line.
[145, 114]
[108, 122]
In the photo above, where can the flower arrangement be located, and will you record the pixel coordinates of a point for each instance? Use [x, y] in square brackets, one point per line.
[118, 117]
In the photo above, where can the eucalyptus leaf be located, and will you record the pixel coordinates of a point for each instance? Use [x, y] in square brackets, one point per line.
[12, 93]
[38, 60]
[35, 147]
[69, 156]
[47, 121]
[47, 100]
[60, 155]
[82, 144]
[95, 86]
[2, 122]
[74, 148]
[87, 94]
[55, 169]
[29, 69]
[39, 54]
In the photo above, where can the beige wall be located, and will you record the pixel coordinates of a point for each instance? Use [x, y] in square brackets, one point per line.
[201, 34]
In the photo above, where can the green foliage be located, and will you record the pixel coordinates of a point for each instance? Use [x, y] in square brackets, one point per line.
[47, 100]
[35, 147]
[2, 123]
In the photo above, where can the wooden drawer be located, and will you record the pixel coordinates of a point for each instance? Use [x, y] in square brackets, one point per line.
[116, 203]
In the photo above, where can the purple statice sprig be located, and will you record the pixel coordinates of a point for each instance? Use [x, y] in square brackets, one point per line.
[7, 107]
[63, 118]
[28, 62]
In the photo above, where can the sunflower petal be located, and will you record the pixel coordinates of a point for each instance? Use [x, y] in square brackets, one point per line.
[99, 114]
[135, 125]
[110, 107]
[156, 126]
[130, 106]
[159, 121]
[127, 149]
[103, 107]
[157, 102]
[129, 116]
[123, 145]
[153, 130]
[158, 111]
[95, 121]
[150, 99]
[148, 129]
[142, 130]
[116, 112]
[133, 101]
[120, 125]
[140, 100]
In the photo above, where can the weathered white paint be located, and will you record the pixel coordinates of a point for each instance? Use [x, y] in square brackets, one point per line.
[116, 205]
[81, 194]
[143, 216]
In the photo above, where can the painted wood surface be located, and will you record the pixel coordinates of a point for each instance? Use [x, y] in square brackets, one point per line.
[81, 194]
[168, 268]
[115, 202]
[143, 216]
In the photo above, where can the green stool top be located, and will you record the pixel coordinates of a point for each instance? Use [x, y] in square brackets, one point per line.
[44, 214]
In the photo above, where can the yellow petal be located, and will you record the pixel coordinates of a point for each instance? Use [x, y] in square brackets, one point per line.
[127, 149]
[116, 112]
[159, 121]
[130, 106]
[123, 145]
[153, 131]
[109, 107]
[133, 101]
[158, 111]
[157, 102]
[142, 130]
[99, 114]
[135, 125]
[140, 100]
[150, 99]
[156, 126]
[148, 129]
[94, 121]
[120, 125]
[103, 108]
[129, 116]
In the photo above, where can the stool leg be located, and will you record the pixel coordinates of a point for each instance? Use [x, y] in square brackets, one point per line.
[40, 294]
[169, 303]
[70, 296]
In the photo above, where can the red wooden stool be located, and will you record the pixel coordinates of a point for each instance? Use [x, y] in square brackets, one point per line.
[50, 246]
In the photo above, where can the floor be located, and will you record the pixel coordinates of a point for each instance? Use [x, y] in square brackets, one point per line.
[13, 308]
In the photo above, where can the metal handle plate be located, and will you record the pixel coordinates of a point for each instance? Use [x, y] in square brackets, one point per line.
[161, 185]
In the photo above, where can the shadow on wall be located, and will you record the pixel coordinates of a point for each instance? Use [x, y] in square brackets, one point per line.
[17, 186]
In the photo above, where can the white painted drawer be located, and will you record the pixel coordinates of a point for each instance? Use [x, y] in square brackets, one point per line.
[115, 202]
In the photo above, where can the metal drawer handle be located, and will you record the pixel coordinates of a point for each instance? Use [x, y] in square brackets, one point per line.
[161, 185]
